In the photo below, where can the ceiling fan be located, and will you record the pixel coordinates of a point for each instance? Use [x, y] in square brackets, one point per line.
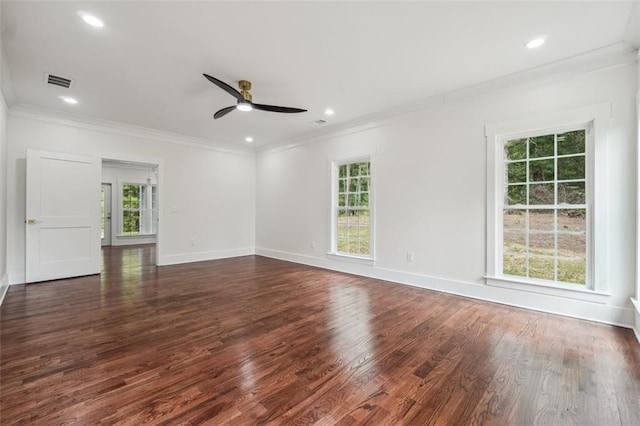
[244, 99]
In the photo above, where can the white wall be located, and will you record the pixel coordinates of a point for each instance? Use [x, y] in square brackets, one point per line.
[430, 195]
[4, 280]
[206, 195]
[116, 175]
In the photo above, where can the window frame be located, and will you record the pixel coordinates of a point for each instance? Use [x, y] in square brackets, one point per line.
[593, 118]
[148, 211]
[334, 208]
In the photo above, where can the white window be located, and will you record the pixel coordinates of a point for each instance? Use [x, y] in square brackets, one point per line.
[546, 202]
[545, 208]
[139, 209]
[352, 223]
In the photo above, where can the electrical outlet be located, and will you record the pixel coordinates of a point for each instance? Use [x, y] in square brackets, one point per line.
[410, 257]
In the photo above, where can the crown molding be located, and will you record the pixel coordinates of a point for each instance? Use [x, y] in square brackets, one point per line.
[612, 56]
[117, 128]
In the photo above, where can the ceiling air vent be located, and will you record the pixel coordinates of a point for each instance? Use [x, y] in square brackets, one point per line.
[58, 81]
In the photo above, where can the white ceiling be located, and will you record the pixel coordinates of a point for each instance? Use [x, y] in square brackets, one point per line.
[144, 67]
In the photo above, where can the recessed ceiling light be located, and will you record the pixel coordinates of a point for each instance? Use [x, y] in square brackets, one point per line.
[69, 100]
[91, 20]
[536, 42]
[329, 111]
[248, 139]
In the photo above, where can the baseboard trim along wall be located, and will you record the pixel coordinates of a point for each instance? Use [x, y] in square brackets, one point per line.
[591, 311]
[175, 259]
[636, 326]
[4, 287]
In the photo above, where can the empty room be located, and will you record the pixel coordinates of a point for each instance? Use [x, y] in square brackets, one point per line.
[319, 212]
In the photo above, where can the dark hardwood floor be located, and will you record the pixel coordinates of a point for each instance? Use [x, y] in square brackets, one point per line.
[253, 340]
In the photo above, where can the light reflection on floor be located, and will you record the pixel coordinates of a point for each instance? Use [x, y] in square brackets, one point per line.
[123, 268]
[350, 318]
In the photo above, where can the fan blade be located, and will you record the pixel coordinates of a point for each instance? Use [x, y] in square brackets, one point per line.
[223, 112]
[274, 108]
[224, 86]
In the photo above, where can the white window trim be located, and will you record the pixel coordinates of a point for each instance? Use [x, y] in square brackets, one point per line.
[333, 239]
[596, 116]
[121, 184]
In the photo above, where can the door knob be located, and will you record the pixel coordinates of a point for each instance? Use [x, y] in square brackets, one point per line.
[31, 221]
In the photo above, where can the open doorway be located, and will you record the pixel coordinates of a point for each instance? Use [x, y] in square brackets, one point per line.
[129, 206]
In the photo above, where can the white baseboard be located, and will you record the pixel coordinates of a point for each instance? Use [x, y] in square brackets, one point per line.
[636, 327]
[174, 259]
[4, 287]
[614, 315]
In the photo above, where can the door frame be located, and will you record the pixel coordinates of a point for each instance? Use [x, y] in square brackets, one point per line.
[158, 163]
[107, 187]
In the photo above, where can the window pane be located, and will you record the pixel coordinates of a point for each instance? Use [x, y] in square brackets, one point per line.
[364, 184]
[541, 193]
[514, 265]
[342, 200]
[516, 194]
[514, 242]
[572, 245]
[353, 200]
[571, 142]
[541, 146]
[364, 169]
[364, 200]
[571, 193]
[342, 185]
[342, 171]
[541, 268]
[514, 220]
[541, 220]
[571, 168]
[516, 149]
[573, 220]
[130, 222]
[517, 172]
[541, 170]
[353, 185]
[154, 221]
[354, 169]
[572, 271]
[541, 244]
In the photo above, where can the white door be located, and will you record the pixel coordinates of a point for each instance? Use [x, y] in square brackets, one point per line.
[105, 214]
[63, 216]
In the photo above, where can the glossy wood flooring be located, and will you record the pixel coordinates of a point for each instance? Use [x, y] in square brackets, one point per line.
[253, 340]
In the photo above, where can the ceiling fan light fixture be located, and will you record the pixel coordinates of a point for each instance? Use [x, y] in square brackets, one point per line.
[244, 106]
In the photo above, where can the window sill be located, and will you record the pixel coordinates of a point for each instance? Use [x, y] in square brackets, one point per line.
[136, 236]
[551, 290]
[354, 259]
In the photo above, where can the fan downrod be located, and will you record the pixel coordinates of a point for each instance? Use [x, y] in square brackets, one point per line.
[245, 86]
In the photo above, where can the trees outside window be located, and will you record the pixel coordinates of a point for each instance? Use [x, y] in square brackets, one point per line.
[139, 209]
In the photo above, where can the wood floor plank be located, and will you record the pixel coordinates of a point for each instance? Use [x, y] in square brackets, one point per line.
[253, 340]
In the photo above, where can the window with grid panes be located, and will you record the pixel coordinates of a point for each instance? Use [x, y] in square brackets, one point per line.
[139, 209]
[546, 207]
[352, 209]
